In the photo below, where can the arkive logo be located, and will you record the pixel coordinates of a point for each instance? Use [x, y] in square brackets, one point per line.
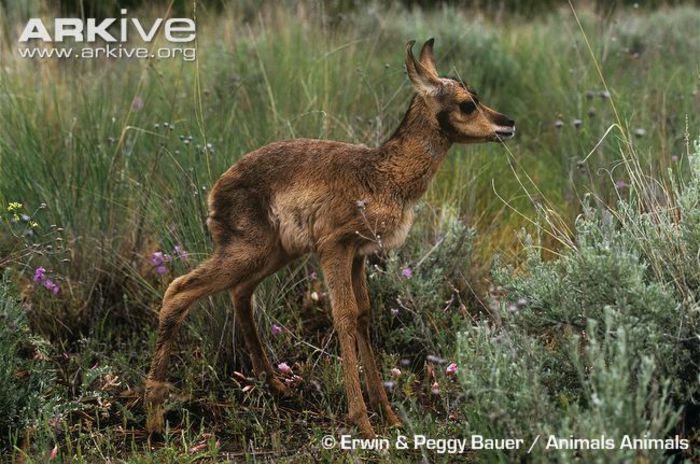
[114, 33]
[176, 29]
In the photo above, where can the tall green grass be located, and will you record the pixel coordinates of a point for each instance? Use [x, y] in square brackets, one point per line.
[119, 187]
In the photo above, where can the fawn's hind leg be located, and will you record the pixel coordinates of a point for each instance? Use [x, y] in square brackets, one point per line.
[241, 296]
[225, 269]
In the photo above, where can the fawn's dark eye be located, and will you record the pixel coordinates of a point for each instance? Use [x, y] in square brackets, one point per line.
[467, 107]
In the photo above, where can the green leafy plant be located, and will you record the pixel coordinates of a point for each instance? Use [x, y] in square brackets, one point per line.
[26, 375]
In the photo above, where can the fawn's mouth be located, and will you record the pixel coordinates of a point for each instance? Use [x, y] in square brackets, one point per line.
[505, 133]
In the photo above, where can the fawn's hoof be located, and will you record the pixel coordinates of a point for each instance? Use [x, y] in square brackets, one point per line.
[366, 429]
[278, 388]
[393, 421]
[391, 418]
[154, 418]
[362, 422]
[154, 396]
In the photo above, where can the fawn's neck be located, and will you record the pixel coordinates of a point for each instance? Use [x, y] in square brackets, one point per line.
[414, 152]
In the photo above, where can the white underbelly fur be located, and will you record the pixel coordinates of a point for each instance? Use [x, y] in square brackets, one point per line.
[295, 233]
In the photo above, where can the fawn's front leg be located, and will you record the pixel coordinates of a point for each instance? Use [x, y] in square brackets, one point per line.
[375, 387]
[337, 270]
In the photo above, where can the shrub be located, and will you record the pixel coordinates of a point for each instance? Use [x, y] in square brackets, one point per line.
[419, 293]
[602, 340]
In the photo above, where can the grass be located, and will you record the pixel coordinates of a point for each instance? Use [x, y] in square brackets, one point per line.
[109, 182]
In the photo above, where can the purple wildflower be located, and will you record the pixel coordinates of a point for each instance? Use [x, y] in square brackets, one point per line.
[276, 330]
[451, 369]
[407, 272]
[157, 258]
[620, 184]
[39, 275]
[41, 279]
[181, 254]
[284, 368]
[52, 286]
[56, 289]
[137, 103]
[313, 275]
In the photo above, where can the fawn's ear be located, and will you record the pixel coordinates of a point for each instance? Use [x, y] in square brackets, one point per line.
[424, 79]
[426, 57]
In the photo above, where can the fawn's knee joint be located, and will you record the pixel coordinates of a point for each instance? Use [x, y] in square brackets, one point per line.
[345, 322]
[156, 390]
[167, 321]
[174, 287]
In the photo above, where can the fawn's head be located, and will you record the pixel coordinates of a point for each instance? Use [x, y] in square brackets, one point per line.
[457, 109]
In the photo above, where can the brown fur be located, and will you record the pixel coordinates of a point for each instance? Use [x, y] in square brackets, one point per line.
[338, 200]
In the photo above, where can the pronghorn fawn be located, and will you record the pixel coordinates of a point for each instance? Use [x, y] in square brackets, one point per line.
[338, 200]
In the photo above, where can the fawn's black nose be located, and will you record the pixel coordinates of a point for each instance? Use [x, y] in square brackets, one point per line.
[503, 120]
[506, 127]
